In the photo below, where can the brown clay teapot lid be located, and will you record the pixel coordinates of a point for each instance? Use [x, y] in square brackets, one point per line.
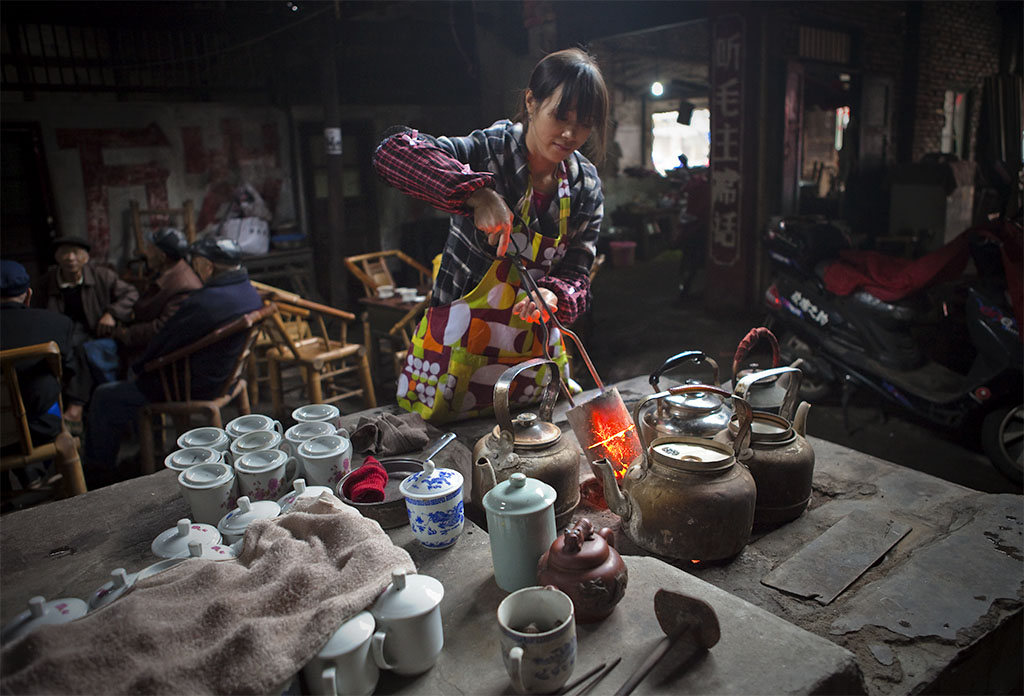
[580, 548]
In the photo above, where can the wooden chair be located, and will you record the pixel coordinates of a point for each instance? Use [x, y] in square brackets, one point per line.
[372, 269]
[323, 361]
[297, 327]
[175, 374]
[69, 479]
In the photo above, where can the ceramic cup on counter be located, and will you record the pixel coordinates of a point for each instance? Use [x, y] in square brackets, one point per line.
[385, 291]
[233, 525]
[325, 459]
[251, 423]
[307, 430]
[209, 436]
[42, 613]
[179, 460]
[433, 500]
[409, 636]
[344, 664]
[255, 441]
[311, 413]
[209, 489]
[264, 474]
[538, 639]
[406, 294]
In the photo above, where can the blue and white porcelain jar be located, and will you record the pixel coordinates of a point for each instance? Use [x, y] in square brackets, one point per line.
[433, 499]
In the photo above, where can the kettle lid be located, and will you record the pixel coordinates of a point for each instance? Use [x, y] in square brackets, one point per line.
[694, 403]
[519, 495]
[530, 432]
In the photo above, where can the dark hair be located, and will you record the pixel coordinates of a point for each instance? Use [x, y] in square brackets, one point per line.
[583, 89]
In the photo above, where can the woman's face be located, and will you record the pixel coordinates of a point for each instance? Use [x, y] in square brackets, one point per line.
[550, 137]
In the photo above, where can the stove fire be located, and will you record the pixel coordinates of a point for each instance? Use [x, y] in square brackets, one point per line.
[605, 430]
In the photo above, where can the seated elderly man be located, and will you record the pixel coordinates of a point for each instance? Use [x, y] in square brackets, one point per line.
[171, 282]
[95, 299]
[20, 326]
[226, 295]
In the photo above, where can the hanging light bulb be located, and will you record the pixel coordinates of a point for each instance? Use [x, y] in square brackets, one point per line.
[657, 89]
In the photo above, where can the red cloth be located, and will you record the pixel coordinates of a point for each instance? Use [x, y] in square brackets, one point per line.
[366, 484]
[891, 278]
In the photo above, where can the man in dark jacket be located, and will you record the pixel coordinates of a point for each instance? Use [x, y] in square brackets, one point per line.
[94, 298]
[226, 295]
[171, 282]
[20, 326]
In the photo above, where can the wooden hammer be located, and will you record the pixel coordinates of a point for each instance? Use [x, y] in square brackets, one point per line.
[682, 618]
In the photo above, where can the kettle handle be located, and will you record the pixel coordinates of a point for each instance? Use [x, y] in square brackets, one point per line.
[740, 405]
[748, 342]
[504, 384]
[792, 390]
[697, 356]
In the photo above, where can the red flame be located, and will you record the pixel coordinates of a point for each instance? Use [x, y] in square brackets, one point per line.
[619, 445]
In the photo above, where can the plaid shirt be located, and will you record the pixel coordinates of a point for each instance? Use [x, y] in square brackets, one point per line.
[444, 172]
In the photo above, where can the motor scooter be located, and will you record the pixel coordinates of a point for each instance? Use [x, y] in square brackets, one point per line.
[949, 353]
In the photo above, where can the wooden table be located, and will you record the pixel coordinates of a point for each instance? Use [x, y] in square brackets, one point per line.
[382, 316]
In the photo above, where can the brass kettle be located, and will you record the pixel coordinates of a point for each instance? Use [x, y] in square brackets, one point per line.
[700, 413]
[530, 444]
[779, 457]
[687, 498]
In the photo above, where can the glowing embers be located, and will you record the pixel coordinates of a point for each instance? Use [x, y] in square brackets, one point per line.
[605, 430]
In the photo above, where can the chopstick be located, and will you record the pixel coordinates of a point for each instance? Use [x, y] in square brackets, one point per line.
[576, 682]
[596, 680]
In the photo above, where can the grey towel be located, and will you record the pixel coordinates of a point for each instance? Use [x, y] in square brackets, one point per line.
[224, 627]
[390, 433]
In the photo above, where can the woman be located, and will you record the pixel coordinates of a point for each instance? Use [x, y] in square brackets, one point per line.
[481, 321]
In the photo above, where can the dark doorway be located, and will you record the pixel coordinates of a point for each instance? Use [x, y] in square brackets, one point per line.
[27, 217]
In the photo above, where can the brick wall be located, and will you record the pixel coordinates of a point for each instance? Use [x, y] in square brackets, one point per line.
[959, 47]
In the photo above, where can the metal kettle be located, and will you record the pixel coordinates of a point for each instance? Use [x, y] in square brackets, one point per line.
[778, 456]
[697, 413]
[766, 394]
[530, 444]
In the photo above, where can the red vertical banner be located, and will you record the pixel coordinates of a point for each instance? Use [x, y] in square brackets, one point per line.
[727, 138]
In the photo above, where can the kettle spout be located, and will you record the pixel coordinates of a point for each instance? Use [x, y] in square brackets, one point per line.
[483, 477]
[618, 501]
[800, 419]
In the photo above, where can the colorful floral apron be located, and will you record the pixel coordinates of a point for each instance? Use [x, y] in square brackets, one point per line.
[461, 349]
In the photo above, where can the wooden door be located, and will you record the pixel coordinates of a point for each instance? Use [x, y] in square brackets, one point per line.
[792, 146]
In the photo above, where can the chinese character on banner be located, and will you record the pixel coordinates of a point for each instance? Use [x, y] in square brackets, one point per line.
[726, 138]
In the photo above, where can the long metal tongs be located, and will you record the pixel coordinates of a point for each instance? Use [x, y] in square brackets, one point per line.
[533, 292]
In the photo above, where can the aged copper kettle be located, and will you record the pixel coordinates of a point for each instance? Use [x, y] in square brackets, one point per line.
[779, 457]
[700, 413]
[530, 444]
[687, 497]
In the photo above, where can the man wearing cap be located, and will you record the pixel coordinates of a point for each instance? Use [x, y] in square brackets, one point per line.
[226, 295]
[20, 326]
[166, 252]
[95, 299]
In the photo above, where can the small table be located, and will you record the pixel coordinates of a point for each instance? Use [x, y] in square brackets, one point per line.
[383, 315]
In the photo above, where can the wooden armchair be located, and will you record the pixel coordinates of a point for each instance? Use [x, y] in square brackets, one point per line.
[295, 324]
[326, 363]
[69, 479]
[372, 269]
[174, 370]
[183, 218]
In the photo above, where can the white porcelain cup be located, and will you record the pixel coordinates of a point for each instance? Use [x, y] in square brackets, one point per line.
[307, 430]
[318, 412]
[179, 460]
[409, 635]
[250, 423]
[385, 291]
[209, 436]
[265, 474]
[406, 294]
[210, 490]
[325, 459]
[433, 501]
[256, 441]
[538, 639]
[344, 665]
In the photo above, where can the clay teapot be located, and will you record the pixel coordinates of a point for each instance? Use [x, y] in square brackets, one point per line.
[696, 414]
[686, 497]
[779, 457]
[585, 565]
[531, 444]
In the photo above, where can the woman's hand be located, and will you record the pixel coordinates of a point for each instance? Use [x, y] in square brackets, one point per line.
[492, 215]
[527, 309]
